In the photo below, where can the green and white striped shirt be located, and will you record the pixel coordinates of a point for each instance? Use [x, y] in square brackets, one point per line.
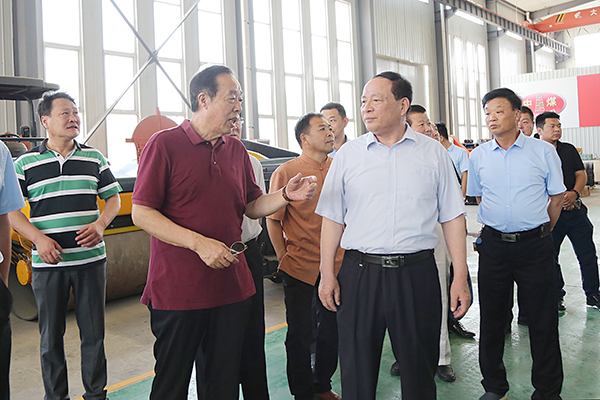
[62, 196]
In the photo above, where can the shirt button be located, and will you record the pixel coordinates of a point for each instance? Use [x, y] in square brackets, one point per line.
[214, 162]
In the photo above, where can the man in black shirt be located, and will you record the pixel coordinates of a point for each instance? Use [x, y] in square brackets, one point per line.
[573, 221]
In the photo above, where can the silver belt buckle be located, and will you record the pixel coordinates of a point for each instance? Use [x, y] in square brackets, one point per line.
[391, 261]
[510, 237]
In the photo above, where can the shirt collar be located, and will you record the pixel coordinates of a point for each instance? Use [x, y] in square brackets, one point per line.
[520, 142]
[44, 148]
[306, 159]
[409, 134]
[194, 137]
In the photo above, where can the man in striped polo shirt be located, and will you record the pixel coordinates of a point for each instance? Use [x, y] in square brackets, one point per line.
[61, 179]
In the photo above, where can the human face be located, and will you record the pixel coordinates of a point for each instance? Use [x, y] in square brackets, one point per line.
[223, 110]
[336, 121]
[419, 122]
[381, 112]
[552, 130]
[526, 124]
[63, 121]
[500, 117]
[319, 138]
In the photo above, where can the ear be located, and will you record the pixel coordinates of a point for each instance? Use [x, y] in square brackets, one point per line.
[518, 115]
[203, 100]
[44, 120]
[539, 130]
[345, 122]
[405, 105]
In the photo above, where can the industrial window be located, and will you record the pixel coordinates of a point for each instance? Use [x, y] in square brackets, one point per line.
[469, 85]
[586, 50]
[304, 58]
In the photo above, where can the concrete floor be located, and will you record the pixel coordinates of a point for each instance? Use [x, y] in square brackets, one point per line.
[129, 341]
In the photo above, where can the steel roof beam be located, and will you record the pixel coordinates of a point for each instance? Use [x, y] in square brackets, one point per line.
[508, 25]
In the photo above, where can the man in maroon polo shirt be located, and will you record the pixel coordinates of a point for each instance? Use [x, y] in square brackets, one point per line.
[194, 185]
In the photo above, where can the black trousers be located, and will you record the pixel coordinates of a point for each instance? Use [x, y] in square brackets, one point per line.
[304, 381]
[179, 335]
[52, 289]
[5, 340]
[529, 263]
[407, 302]
[578, 228]
[253, 366]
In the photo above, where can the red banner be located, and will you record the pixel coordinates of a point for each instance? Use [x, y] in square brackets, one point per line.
[588, 88]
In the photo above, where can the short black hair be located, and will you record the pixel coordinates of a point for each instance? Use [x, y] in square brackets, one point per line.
[505, 93]
[303, 125]
[441, 127]
[335, 106]
[401, 87]
[540, 121]
[44, 108]
[527, 110]
[205, 81]
[415, 108]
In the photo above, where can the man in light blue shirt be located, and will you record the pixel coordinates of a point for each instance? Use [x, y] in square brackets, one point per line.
[10, 200]
[518, 183]
[384, 209]
[335, 113]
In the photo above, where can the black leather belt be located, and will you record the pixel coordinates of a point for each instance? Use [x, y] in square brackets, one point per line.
[513, 237]
[392, 260]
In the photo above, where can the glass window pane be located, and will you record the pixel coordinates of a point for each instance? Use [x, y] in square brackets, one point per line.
[474, 132]
[472, 84]
[264, 93]
[345, 64]
[60, 21]
[458, 50]
[62, 67]
[473, 112]
[262, 46]
[460, 82]
[210, 5]
[290, 14]
[462, 133]
[121, 155]
[318, 18]
[292, 56]
[471, 56]
[262, 11]
[293, 144]
[266, 130]
[168, 98]
[320, 57]
[211, 51]
[321, 93]
[166, 17]
[175, 2]
[118, 72]
[342, 21]
[350, 130]
[347, 98]
[461, 111]
[482, 85]
[293, 96]
[116, 33]
[481, 57]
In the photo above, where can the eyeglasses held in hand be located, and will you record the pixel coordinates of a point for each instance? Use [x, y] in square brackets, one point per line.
[238, 248]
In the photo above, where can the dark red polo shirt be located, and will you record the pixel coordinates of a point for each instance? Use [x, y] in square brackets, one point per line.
[205, 189]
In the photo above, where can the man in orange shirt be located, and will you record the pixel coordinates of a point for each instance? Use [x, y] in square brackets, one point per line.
[295, 232]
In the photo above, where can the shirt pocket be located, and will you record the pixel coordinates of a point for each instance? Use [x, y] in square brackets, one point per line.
[420, 183]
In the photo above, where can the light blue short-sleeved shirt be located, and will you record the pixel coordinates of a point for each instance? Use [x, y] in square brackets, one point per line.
[514, 184]
[391, 198]
[460, 158]
[11, 198]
